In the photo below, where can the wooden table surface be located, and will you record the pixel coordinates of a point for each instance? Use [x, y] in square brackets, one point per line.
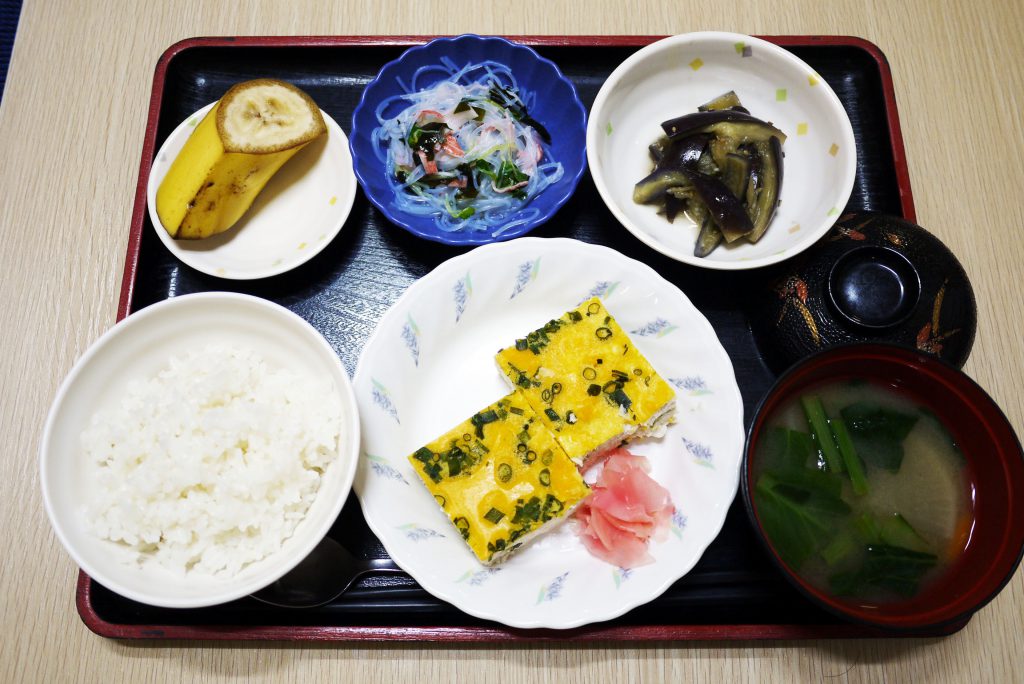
[72, 121]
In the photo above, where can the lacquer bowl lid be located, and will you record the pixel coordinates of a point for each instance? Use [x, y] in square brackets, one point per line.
[872, 278]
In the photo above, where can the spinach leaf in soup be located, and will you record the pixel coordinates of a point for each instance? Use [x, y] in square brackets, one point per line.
[798, 510]
[878, 433]
[889, 567]
[786, 449]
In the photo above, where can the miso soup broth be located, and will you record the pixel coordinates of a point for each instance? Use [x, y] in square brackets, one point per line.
[862, 491]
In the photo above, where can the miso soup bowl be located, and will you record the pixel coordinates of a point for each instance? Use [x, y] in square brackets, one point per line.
[995, 468]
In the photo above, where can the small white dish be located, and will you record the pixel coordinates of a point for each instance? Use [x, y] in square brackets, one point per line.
[672, 77]
[430, 364]
[299, 211]
[138, 347]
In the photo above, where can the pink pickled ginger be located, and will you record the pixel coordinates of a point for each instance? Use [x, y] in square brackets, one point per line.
[625, 510]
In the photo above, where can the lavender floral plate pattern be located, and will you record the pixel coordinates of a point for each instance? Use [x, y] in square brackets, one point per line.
[430, 364]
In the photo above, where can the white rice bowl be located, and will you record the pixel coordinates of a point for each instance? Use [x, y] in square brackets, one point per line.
[211, 464]
[216, 479]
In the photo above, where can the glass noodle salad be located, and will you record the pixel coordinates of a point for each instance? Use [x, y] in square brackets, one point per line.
[466, 150]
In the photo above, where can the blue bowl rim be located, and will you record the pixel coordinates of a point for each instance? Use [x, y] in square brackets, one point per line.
[476, 238]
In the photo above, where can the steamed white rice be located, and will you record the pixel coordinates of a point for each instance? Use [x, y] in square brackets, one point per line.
[210, 465]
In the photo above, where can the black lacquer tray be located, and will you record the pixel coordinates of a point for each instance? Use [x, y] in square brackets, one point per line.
[734, 591]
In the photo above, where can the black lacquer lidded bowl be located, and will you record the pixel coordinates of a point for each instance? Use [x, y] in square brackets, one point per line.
[872, 278]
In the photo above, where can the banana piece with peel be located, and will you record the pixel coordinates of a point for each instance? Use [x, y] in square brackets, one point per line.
[238, 146]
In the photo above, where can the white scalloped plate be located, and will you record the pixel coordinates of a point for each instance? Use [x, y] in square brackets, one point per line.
[299, 211]
[430, 364]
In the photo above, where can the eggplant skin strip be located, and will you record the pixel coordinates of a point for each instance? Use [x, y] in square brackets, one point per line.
[725, 209]
[728, 122]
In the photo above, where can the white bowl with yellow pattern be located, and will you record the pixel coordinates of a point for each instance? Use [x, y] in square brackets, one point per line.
[296, 215]
[672, 77]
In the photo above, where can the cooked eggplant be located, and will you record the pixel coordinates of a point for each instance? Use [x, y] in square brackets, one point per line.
[769, 181]
[673, 205]
[706, 164]
[695, 209]
[722, 167]
[696, 122]
[653, 187]
[736, 175]
[657, 148]
[728, 123]
[686, 193]
[683, 152]
[726, 210]
[754, 182]
[725, 101]
[747, 131]
[721, 148]
[708, 238]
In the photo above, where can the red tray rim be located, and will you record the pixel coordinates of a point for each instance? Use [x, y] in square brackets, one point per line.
[497, 633]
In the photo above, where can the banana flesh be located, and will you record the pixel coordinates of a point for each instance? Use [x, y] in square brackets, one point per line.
[231, 155]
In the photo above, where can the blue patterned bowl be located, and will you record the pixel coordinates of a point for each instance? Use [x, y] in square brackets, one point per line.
[557, 107]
